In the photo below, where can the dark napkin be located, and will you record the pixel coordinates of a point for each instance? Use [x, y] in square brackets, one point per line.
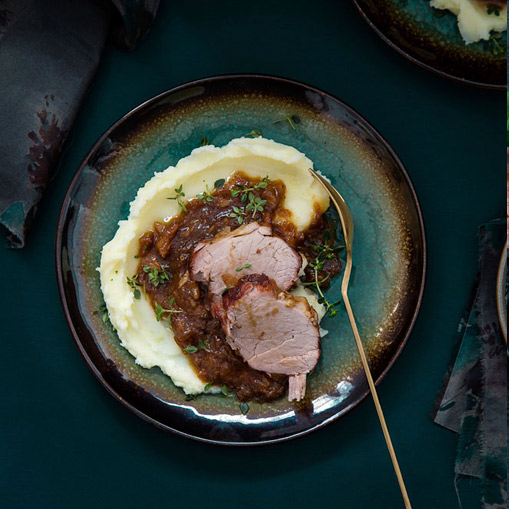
[49, 52]
[473, 402]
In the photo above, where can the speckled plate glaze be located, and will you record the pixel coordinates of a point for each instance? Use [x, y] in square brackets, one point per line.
[430, 38]
[389, 247]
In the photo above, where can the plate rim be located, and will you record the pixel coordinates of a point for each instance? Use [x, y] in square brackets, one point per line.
[59, 265]
[500, 290]
[427, 67]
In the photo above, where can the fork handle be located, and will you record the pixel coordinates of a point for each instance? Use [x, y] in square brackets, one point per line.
[378, 407]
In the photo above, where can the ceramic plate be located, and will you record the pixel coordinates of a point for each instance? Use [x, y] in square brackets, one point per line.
[430, 38]
[389, 247]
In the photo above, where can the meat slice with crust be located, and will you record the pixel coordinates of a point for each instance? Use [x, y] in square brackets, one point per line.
[252, 249]
[272, 330]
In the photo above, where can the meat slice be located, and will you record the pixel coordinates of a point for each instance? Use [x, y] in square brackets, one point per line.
[250, 249]
[272, 330]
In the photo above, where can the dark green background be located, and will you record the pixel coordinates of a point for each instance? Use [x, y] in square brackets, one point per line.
[65, 442]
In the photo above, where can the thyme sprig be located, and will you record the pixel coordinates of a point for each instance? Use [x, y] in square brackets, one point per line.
[325, 251]
[255, 133]
[105, 316]
[157, 276]
[497, 46]
[256, 204]
[134, 283]
[245, 266]
[205, 196]
[244, 191]
[160, 311]
[179, 196]
[291, 119]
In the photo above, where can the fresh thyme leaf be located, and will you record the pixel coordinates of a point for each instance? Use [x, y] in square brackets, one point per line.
[244, 408]
[208, 386]
[204, 141]
[206, 196]
[291, 119]
[226, 289]
[245, 266]
[219, 183]
[238, 213]
[136, 256]
[133, 283]
[255, 133]
[204, 344]
[190, 349]
[105, 317]
[179, 196]
[224, 390]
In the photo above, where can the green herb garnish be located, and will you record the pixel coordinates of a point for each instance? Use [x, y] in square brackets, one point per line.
[255, 204]
[237, 214]
[497, 48]
[190, 349]
[204, 345]
[244, 408]
[291, 119]
[244, 191]
[206, 196]
[245, 266]
[204, 141]
[160, 311]
[224, 391]
[219, 183]
[105, 316]
[325, 251]
[255, 133]
[134, 283]
[208, 386]
[226, 289]
[156, 276]
[179, 196]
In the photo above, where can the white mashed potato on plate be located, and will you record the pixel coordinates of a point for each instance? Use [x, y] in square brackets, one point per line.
[476, 20]
[151, 342]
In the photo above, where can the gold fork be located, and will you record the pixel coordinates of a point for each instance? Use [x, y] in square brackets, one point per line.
[347, 224]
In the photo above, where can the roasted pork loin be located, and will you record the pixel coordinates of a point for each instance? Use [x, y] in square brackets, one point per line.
[272, 330]
[250, 249]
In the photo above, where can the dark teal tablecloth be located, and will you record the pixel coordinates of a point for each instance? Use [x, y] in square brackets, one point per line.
[66, 443]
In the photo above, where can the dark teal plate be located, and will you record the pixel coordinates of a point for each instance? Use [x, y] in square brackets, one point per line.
[389, 247]
[430, 38]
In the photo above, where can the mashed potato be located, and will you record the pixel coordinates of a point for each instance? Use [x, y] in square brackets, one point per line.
[474, 22]
[149, 341]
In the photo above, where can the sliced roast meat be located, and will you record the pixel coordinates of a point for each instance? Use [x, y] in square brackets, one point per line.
[250, 249]
[272, 330]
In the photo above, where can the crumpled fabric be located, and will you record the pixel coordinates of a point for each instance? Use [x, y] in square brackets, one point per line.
[49, 52]
[473, 402]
